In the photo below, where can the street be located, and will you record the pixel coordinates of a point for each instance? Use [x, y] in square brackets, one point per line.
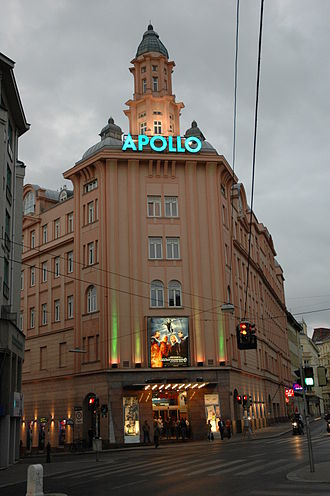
[256, 467]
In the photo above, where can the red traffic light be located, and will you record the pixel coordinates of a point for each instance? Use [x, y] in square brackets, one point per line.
[239, 398]
[91, 401]
[243, 328]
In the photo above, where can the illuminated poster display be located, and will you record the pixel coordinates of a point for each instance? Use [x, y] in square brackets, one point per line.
[168, 341]
[131, 419]
[212, 410]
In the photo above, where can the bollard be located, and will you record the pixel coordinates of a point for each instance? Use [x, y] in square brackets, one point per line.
[35, 480]
[97, 447]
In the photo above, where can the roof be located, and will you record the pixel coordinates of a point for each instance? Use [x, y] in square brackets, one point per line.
[151, 43]
[321, 334]
[13, 97]
[51, 194]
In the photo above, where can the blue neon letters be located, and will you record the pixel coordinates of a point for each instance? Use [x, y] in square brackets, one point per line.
[160, 144]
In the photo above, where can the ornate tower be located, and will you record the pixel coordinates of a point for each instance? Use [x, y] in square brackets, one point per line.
[153, 109]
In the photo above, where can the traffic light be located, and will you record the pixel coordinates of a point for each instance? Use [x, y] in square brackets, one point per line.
[245, 400]
[239, 399]
[309, 376]
[92, 402]
[246, 338]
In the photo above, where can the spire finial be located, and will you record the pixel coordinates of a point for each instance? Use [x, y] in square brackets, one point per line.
[150, 26]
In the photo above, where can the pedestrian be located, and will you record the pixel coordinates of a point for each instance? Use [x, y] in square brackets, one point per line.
[183, 428]
[146, 432]
[48, 452]
[247, 427]
[188, 428]
[221, 426]
[156, 434]
[167, 428]
[210, 435]
[177, 429]
[228, 428]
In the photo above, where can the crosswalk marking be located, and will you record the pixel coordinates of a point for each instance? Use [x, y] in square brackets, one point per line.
[262, 466]
[182, 468]
[215, 466]
[281, 468]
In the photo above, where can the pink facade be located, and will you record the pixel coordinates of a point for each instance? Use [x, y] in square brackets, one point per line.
[148, 235]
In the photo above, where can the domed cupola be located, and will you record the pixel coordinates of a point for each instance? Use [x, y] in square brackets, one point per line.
[111, 130]
[151, 43]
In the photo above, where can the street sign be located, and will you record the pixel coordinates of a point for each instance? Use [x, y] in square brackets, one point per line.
[78, 417]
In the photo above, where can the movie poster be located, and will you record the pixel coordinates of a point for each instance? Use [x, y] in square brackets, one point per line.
[168, 341]
[131, 419]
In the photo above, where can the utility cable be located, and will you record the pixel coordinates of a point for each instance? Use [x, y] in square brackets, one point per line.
[254, 152]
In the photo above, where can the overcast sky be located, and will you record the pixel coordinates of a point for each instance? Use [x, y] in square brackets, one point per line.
[72, 59]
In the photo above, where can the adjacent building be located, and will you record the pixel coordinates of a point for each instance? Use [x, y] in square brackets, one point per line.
[295, 403]
[321, 338]
[126, 279]
[12, 125]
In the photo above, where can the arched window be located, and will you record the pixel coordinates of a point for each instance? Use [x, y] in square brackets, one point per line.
[174, 294]
[157, 294]
[29, 203]
[91, 299]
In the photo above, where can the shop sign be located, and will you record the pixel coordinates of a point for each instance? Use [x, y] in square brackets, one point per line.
[70, 422]
[43, 420]
[131, 419]
[212, 410]
[168, 342]
[289, 393]
[297, 387]
[171, 144]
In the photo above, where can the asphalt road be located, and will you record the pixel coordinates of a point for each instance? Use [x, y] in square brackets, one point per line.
[229, 468]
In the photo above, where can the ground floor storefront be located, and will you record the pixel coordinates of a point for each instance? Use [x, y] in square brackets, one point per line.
[114, 405]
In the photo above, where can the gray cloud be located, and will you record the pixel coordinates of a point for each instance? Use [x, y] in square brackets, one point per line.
[72, 60]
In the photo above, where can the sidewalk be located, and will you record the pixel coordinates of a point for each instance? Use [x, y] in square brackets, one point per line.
[321, 474]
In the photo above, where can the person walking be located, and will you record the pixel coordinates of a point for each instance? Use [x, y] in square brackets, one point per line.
[156, 434]
[228, 427]
[210, 435]
[247, 427]
[183, 428]
[146, 432]
[221, 426]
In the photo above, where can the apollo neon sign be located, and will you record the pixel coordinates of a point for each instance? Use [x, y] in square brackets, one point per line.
[172, 144]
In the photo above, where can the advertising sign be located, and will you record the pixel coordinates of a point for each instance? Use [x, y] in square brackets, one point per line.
[212, 410]
[289, 393]
[131, 419]
[168, 342]
[297, 387]
[161, 143]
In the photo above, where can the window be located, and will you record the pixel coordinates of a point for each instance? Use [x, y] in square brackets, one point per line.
[6, 278]
[57, 267]
[91, 254]
[32, 276]
[62, 355]
[154, 206]
[154, 68]
[157, 294]
[21, 322]
[22, 280]
[33, 239]
[70, 222]
[32, 317]
[157, 112]
[143, 127]
[57, 230]
[9, 175]
[165, 70]
[91, 299]
[10, 135]
[44, 314]
[70, 262]
[7, 225]
[44, 271]
[70, 307]
[90, 186]
[56, 310]
[144, 85]
[155, 84]
[90, 209]
[157, 127]
[44, 234]
[165, 84]
[43, 357]
[155, 248]
[171, 206]
[172, 248]
[174, 294]
[29, 203]
[143, 69]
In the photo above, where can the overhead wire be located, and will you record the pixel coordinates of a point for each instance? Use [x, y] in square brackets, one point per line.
[254, 151]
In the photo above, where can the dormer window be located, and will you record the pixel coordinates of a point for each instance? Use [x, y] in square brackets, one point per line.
[63, 195]
[154, 68]
[143, 69]
[155, 84]
[29, 203]
[144, 85]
